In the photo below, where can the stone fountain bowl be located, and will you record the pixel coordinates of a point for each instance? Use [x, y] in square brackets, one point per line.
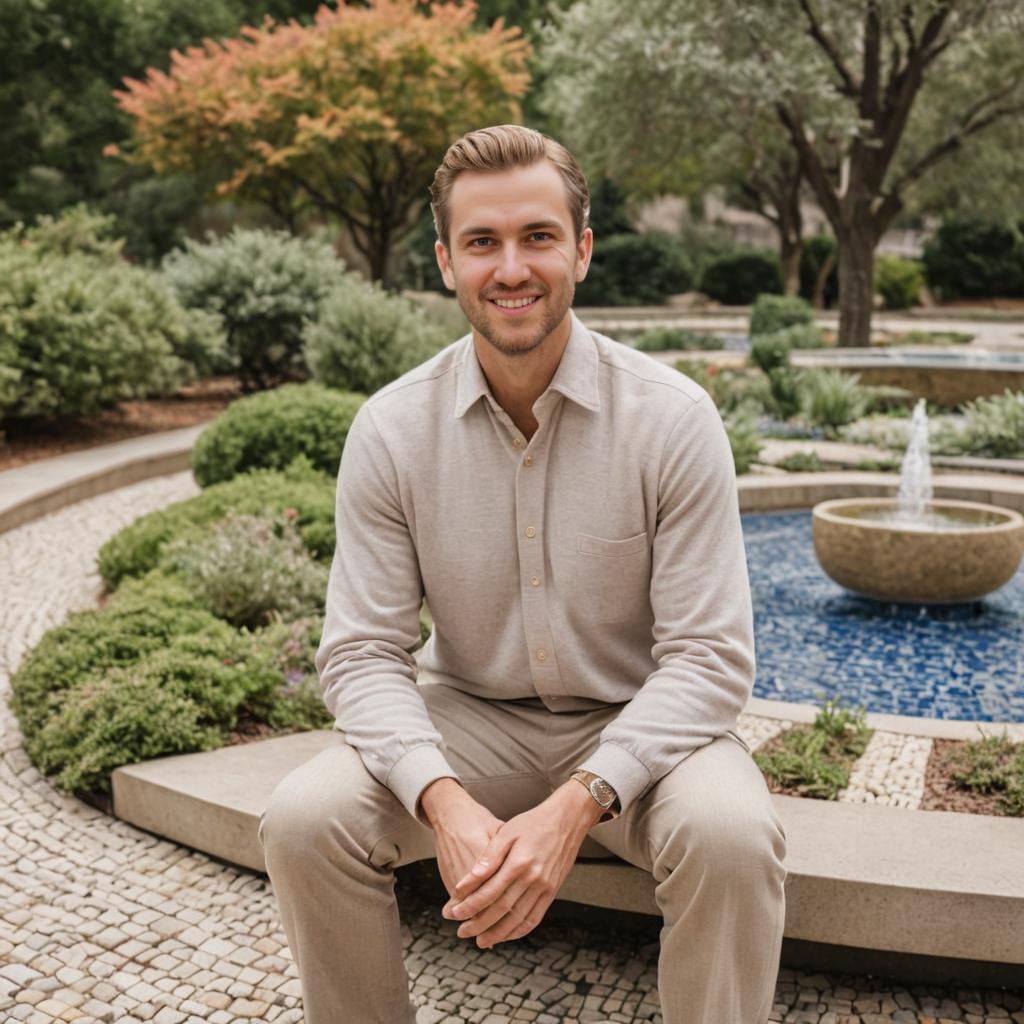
[978, 550]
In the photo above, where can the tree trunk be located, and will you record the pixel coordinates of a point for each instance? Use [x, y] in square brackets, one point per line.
[856, 285]
[791, 252]
[821, 282]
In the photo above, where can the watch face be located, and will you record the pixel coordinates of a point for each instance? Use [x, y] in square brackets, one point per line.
[603, 793]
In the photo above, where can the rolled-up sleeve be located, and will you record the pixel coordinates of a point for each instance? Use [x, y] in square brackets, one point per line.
[703, 621]
[365, 663]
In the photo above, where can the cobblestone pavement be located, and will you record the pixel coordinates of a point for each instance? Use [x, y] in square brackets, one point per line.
[100, 921]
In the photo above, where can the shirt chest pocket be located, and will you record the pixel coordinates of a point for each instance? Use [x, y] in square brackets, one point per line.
[612, 577]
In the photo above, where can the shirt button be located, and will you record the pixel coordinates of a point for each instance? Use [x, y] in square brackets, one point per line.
[528, 460]
[542, 655]
[518, 442]
[531, 532]
[534, 581]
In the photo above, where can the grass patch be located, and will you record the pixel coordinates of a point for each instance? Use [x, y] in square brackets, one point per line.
[815, 760]
[929, 338]
[801, 462]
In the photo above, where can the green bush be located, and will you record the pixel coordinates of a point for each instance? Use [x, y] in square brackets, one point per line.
[738, 278]
[899, 281]
[831, 398]
[271, 429]
[972, 258]
[773, 313]
[635, 270]
[138, 548]
[248, 569]
[801, 336]
[744, 441]
[769, 351]
[81, 330]
[264, 286]
[994, 426]
[666, 339]
[815, 760]
[784, 388]
[801, 462]
[816, 250]
[366, 338]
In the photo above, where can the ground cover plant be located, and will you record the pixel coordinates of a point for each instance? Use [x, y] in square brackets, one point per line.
[668, 339]
[815, 760]
[984, 776]
[801, 462]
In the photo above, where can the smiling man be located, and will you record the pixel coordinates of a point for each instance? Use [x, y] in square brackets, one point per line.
[568, 508]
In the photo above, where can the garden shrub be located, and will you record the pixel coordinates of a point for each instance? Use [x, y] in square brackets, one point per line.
[784, 387]
[973, 258]
[264, 286]
[635, 270]
[744, 441]
[832, 398]
[994, 426]
[800, 336]
[366, 338]
[898, 281]
[665, 339]
[81, 330]
[801, 462]
[740, 390]
[738, 278]
[138, 548]
[769, 351]
[815, 760]
[269, 430]
[247, 568]
[772, 313]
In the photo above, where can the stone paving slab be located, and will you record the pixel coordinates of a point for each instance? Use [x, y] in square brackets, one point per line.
[100, 921]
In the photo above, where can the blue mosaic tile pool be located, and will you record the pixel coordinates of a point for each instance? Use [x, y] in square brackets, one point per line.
[815, 640]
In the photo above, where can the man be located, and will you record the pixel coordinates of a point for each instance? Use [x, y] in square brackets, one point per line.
[568, 508]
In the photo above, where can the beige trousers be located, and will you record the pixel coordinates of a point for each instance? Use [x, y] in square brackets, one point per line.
[707, 832]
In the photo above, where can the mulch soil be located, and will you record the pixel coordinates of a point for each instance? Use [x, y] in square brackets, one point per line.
[198, 403]
[941, 793]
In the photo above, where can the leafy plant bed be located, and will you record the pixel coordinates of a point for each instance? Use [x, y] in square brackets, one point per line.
[815, 760]
[27, 441]
[976, 777]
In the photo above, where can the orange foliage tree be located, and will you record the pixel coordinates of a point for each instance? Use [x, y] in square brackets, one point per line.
[350, 114]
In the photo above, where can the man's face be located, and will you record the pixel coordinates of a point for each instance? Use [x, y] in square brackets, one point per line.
[513, 260]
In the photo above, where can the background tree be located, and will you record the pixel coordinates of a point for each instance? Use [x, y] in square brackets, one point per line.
[870, 95]
[350, 114]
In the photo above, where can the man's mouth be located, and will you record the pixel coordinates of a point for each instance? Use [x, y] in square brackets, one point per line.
[515, 304]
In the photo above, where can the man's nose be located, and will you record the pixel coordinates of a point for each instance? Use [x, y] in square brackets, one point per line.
[512, 268]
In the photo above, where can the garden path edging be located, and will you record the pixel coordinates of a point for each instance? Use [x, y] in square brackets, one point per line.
[928, 882]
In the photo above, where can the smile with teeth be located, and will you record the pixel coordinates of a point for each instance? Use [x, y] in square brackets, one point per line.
[515, 303]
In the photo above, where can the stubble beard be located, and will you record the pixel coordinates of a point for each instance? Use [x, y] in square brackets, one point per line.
[482, 324]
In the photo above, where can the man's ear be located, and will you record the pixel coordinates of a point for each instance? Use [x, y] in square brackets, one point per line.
[584, 250]
[444, 264]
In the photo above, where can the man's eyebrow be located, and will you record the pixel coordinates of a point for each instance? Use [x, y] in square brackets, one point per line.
[536, 225]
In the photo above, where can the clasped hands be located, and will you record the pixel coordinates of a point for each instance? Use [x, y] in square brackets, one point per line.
[503, 876]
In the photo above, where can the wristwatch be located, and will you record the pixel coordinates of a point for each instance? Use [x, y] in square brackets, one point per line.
[601, 791]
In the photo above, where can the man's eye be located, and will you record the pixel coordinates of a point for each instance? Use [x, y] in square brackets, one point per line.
[473, 243]
[540, 235]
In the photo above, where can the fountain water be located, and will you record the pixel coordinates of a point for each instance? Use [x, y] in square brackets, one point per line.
[916, 474]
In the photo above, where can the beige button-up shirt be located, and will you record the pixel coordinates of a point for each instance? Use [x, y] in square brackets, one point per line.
[602, 561]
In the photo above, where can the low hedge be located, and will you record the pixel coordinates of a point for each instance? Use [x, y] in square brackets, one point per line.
[738, 278]
[271, 429]
[635, 270]
[138, 548]
[773, 313]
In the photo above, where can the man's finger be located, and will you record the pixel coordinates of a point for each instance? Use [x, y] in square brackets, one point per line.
[484, 896]
[486, 864]
[508, 903]
[529, 912]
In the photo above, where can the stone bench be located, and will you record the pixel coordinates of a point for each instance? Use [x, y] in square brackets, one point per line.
[860, 875]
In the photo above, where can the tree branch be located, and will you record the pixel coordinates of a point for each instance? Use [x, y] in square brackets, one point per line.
[850, 87]
[811, 165]
[869, 99]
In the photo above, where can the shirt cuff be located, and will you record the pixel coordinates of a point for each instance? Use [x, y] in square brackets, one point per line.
[413, 772]
[627, 775]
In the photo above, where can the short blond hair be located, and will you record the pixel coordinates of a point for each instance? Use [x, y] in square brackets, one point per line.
[501, 148]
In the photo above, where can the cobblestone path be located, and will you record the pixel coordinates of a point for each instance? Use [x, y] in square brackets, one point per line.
[100, 921]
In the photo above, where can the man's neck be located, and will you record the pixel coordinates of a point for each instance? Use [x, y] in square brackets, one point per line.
[518, 381]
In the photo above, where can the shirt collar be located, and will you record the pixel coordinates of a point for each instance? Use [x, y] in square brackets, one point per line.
[575, 376]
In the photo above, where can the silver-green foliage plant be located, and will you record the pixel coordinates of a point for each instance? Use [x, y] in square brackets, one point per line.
[264, 286]
[81, 329]
[995, 426]
[744, 440]
[772, 313]
[366, 338]
[898, 281]
[249, 569]
[831, 398]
